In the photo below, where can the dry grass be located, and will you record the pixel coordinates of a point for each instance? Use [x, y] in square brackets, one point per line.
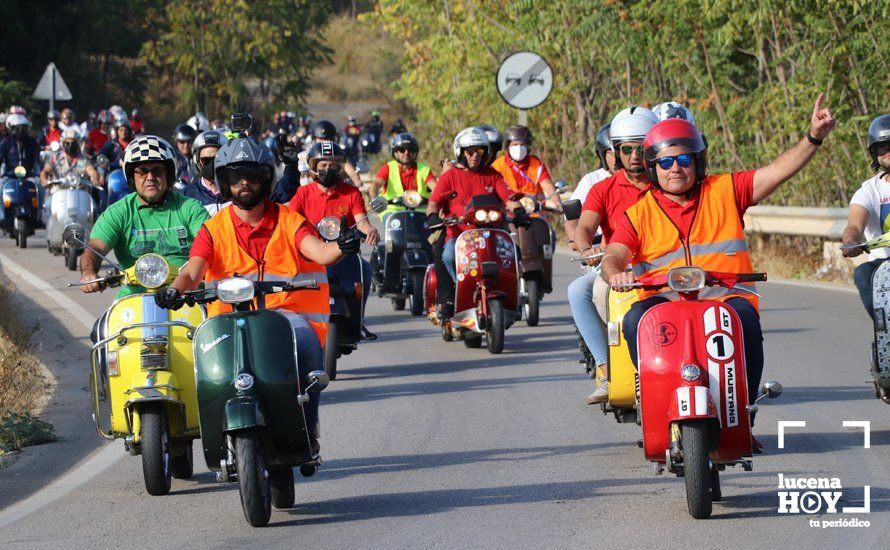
[790, 257]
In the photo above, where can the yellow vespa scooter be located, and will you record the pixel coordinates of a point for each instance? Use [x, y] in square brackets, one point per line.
[143, 363]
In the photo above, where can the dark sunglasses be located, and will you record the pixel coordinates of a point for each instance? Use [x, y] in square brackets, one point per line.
[476, 151]
[157, 171]
[255, 175]
[629, 149]
[684, 160]
[402, 149]
[205, 160]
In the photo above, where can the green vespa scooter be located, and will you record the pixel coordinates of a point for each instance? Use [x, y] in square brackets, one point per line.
[250, 396]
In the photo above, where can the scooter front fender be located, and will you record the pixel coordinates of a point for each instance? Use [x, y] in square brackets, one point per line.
[692, 403]
[415, 259]
[243, 412]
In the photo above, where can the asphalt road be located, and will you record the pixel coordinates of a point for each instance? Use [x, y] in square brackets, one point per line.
[429, 444]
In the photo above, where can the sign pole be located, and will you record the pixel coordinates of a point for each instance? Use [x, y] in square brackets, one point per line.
[523, 117]
[52, 96]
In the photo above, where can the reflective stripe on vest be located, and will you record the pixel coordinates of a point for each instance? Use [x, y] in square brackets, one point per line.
[394, 186]
[281, 262]
[716, 240]
[528, 185]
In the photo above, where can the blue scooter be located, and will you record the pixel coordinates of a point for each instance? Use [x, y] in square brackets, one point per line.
[21, 212]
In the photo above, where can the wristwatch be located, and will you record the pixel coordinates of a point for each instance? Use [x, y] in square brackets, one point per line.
[813, 140]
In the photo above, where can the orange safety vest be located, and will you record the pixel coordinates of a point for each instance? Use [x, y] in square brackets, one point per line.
[530, 178]
[716, 240]
[281, 262]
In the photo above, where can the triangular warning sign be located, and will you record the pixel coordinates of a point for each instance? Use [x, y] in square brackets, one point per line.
[44, 89]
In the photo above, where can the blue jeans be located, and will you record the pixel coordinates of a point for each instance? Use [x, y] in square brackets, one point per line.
[862, 277]
[448, 258]
[309, 358]
[750, 327]
[587, 319]
[366, 282]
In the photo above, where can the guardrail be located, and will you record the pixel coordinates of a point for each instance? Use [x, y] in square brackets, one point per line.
[795, 220]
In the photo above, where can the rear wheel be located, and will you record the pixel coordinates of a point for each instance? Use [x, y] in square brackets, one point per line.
[155, 450]
[398, 304]
[71, 259]
[494, 330]
[696, 468]
[330, 351]
[282, 484]
[533, 301]
[183, 466]
[416, 278]
[253, 479]
[21, 232]
[474, 341]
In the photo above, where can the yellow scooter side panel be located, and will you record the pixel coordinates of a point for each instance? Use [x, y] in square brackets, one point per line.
[622, 375]
[131, 383]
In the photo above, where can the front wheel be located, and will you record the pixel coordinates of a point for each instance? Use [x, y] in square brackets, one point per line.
[155, 450]
[494, 329]
[696, 468]
[398, 304]
[71, 259]
[21, 232]
[533, 301]
[416, 278]
[330, 351]
[282, 484]
[253, 479]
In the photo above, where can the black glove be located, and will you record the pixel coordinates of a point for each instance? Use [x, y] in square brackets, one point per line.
[169, 298]
[286, 149]
[521, 218]
[349, 240]
[433, 219]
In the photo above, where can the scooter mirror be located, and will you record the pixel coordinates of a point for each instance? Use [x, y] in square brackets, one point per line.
[45, 156]
[318, 380]
[561, 184]
[75, 235]
[771, 389]
[572, 209]
[329, 228]
[378, 204]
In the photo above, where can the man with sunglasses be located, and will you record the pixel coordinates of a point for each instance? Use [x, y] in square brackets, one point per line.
[403, 173]
[153, 219]
[203, 187]
[692, 218]
[604, 206]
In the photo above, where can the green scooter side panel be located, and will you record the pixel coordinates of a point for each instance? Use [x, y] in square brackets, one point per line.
[259, 343]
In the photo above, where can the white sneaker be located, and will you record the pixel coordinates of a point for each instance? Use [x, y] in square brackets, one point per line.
[600, 394]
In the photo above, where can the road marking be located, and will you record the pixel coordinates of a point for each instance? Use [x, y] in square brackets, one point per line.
[93, 465]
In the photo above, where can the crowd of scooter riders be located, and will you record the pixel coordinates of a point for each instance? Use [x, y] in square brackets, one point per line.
[468, 242]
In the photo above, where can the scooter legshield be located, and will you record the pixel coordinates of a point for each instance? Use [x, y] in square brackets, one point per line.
[707, 334]
[622, 374]
[260, 343]
[881, 303]
[475, 246]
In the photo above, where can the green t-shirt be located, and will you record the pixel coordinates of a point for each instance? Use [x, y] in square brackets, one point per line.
[132, 229]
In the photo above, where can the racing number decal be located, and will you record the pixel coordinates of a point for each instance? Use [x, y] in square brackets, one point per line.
[718, 335]
[720, 346]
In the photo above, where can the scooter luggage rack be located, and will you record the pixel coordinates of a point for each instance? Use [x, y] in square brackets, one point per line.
[94, 367]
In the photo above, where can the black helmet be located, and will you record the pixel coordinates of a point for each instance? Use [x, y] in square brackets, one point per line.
[518, 133]
[603, 144]
[403, 140]
[878, 132]
[243, 156]
[184, 132]
[324, 150]
[324, 129]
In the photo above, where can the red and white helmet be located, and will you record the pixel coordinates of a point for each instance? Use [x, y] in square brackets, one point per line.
[675, 132]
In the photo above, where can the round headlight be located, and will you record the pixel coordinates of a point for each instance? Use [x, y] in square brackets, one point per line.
[152, 270]
[690, 373]
[20, 171]
[494, 216]
[481, 215]
[411, 199]
[243, 381]
[329, 228]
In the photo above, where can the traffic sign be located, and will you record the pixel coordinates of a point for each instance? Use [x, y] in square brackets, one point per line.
[524, 80]
[52, 87]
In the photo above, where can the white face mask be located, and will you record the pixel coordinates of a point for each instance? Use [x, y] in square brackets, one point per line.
[518, 152]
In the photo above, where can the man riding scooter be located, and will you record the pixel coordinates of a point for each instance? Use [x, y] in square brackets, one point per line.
[694, 219]
[203, 187]
[254, 232]
[403, 173]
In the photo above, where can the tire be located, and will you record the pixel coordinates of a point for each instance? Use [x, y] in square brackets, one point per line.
[696, 468]
[398, 304]
[183, 466]
[21, 233]
[71, 259]
[253, 479]
[446, 333]
[155, 450]
[281, 483]
[473, 341]
[417, 303]
[716, 492]
[494, 330]
[533, 301]
[330, 351]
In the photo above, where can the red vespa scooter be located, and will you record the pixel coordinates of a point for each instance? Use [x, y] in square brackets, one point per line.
[486, 300]
[693, 392]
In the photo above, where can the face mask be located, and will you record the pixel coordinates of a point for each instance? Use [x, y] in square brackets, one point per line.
[70, 148]
[207, 171]
[328, 177]
[518, 152]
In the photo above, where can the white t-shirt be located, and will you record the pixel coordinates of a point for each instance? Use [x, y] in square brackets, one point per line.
[587, 182]
[874, 196]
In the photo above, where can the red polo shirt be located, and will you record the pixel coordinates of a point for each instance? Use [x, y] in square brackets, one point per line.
[252, 240]
[610, 198]
[408, 174]
[314, 202]
[467, 184]
[97, 139]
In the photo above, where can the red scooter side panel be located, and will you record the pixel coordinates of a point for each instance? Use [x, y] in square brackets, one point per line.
[707, 334]
[429, 288]
[475, 246]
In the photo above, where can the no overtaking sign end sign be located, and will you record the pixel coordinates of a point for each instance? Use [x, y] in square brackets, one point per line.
[524, 80]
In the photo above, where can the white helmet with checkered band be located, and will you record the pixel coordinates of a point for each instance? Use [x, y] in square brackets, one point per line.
[149, 149]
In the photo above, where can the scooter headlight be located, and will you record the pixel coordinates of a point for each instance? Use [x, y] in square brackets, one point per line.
[686, 279]
[329, 228]
[494, 215]
[235, 290]
[152, 270]
[411, 199]
[480, 215]
[690, 373]
[243, 382]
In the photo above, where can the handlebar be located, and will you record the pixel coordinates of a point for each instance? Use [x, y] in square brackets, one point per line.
[261, 289]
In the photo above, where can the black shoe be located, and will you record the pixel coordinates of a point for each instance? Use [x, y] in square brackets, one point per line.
[367, 334]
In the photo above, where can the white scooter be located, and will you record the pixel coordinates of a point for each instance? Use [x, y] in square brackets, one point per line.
[69, 200]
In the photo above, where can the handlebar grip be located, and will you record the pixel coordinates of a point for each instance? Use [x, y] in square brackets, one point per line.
[752, 277]
[309, 284]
